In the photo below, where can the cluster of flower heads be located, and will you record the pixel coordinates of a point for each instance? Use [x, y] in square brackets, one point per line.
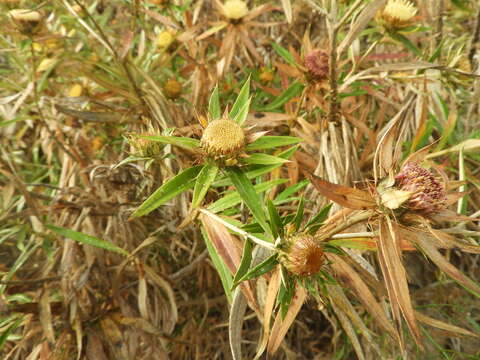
[427, 192]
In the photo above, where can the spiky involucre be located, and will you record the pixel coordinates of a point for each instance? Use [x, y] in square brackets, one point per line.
[428, 193]
[223, 137]
[304, 256]
[397, 14]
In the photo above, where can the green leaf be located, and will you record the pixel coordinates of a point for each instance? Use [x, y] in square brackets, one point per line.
[275, 220]
[262, 268]
[222, 269]
[263, 159]
[234, 198]
[214, 110]
[87, 239]
[293, 90]
[406, 42]
[245, 263]
[289, 191]
[6, 333]
[241, 101]
[183, 142]
[269, 142]
[299, 215]
[249, 196]
[284, 53]
[242, 113]
[285, 295]
[181, 182]
[205, 178]
[315, 222]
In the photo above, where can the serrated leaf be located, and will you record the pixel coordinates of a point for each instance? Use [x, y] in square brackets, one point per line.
[214, 110]
[241, 101]
[183, 142]
[205, 178]
[181, 182]
[269, 142]
[263, 159]
[87, 239]
[293, 90]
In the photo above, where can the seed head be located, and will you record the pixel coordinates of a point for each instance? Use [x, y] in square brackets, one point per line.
[235, 9]
[172, 88]
[27, 20]
[397, 14]
[304, 256]
[223, 137]
[316, 62]
[427, 192]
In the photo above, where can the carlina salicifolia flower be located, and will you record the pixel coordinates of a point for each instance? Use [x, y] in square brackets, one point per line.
[427, 192]
[316, 63]
[235, 9]
[27, 20]
[397, 14]
[223, 137]
[303, 255]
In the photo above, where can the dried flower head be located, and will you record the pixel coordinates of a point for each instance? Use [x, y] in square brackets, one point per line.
[304, 256]
[27, 21]
[172, 88]
[427, 192]
[316, 62]
[235, 9]
[397, 14]
[266, 75]
[223, 137]
[164, 39]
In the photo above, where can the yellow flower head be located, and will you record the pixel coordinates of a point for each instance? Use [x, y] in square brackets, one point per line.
[397, 14]
[164, 39]
[235, 9]
[223, 137]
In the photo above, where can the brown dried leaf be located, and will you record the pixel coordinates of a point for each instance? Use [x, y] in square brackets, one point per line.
[281, 326]
[343, 195]
[444, 326]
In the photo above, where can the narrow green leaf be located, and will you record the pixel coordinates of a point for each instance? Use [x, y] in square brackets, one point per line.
[205, 178]
[241, 101]
[242, 113]
[293, 90]
[181, 182]
[183, 142]
[284, 53]
[214, 110]
[299, 215]
[315, 222]
[262, 268]
[87, 239]
[249, 196]
[234, 198]
[289, 191]
[275, 220]
[222, 269]
[6, 333]
[406, 42]
[245, 263]
[269, 142]
[263, 159]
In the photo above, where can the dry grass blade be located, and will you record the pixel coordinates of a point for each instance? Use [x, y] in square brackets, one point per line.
[442, 325]
[235, 323]
[347, 275]
[281, 326]
[396, 276]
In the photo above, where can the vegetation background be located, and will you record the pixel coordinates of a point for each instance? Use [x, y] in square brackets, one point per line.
[102, 102]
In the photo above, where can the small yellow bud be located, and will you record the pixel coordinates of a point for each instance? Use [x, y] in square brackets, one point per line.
[235, 9]
[164, 39]
[75, 91]
[172, 88]
[223, 137]
[267, 75]
[46, 64]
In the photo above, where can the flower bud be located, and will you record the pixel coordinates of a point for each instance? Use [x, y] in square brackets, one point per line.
[223, 137]
[235, 9]
[172, 88]
[397, 14]
[164, 39]
[427, 192]
[316, 62]
[304, 256]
